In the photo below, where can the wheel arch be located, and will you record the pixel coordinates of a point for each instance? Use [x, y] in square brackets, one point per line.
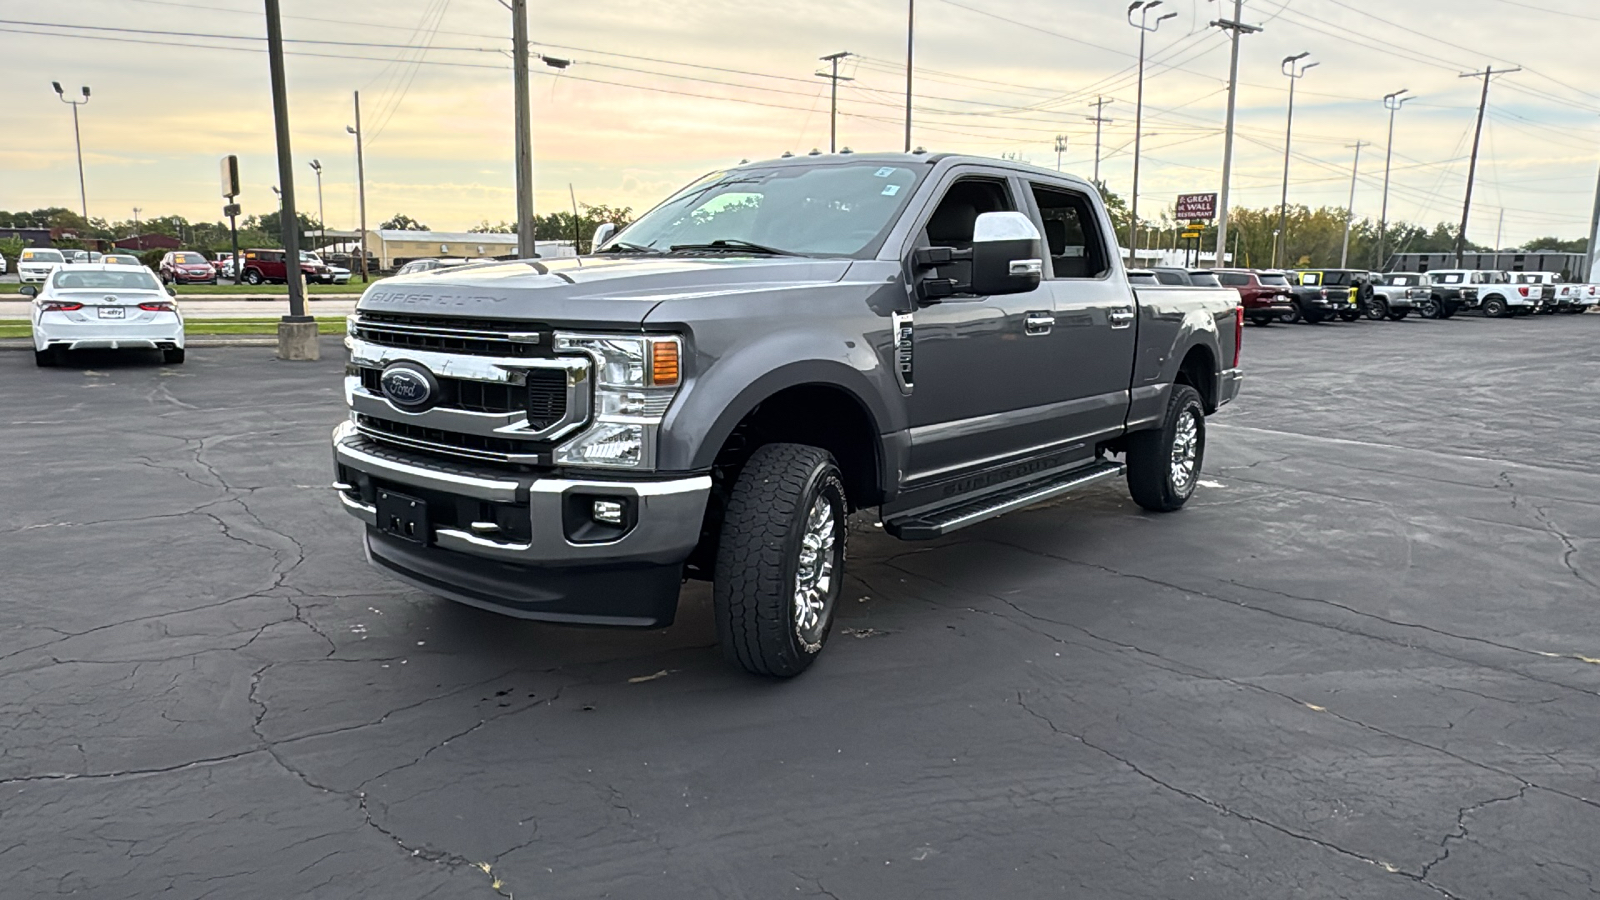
[1199, 371]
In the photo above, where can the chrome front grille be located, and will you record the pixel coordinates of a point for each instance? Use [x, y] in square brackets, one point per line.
[447, 334]
[510, 407]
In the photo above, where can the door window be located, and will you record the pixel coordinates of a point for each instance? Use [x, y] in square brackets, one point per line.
[953, 220]
[1072, 239]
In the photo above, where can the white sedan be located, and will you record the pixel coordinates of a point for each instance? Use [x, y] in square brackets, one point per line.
[91, 305]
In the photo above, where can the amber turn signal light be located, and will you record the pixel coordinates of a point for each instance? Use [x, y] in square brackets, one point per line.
[663, 363]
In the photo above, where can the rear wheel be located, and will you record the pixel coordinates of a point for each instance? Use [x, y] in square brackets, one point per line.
[780, 560]
[47, 357]
[1261, 320]
[1295, 314]
[1164, 463]
[1349, 316]
[173, 356]
[1396, 315]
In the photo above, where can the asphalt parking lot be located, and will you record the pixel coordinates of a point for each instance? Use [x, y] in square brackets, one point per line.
[1363, 663]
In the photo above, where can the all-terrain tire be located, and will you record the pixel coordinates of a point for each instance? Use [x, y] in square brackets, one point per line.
[46, 358]
[1154, 454]
[762, 553]
[1496, 308]
[173, 356]
[1377, 308]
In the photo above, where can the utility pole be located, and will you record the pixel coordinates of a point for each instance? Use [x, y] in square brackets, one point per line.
[1145, 27]
[322, 224]
[1061, 147]
[1350, 211]
[833, 101]
[1294, 71]
[524, 130]
[77, 140]
[911, 44]
[137, 241]
[1391, 102]
[1098, 119]
[1499, 230]
[297, 332]
[1487, 75]
[361, 187]
[1237, 28]
[1589, 273]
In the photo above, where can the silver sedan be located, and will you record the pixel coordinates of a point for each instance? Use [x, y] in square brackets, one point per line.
[114, 307]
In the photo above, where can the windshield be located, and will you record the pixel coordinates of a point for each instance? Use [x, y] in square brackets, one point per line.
[189, 259]
[1274, 280]
[115, 259]
[309, 257]
[823, 210]
[89, 280]
[43, 256]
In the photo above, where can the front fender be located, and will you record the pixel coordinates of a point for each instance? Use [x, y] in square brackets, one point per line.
[718, 396]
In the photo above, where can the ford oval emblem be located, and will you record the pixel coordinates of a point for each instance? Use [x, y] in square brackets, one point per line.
[409, 386]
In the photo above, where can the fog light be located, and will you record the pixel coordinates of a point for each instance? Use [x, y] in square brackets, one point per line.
[607, 512]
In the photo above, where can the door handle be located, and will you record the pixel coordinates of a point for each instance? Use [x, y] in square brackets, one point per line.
[1039, 323]
[1121, 317]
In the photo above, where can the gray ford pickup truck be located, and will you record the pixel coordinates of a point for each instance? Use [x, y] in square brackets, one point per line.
[719, 385]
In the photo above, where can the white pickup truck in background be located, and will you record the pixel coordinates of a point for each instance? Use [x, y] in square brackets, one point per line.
[1558, 295]
[1498, 297]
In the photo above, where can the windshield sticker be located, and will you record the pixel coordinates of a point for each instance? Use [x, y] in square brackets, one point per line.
[889, 190]
[884, 172]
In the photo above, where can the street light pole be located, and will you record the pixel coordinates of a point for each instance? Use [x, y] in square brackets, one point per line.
[911, 46]
[297, 332]
[833, 102]
[361, 187]
[1237, 27]
[77, 140]
[322, 224]
[1293, 69]
[1350, 211]
[1391, 102]
[1145, 27]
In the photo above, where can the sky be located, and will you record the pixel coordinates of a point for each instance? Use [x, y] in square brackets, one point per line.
[658, 92]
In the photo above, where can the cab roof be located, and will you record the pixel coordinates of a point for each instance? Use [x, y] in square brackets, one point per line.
[909, 160]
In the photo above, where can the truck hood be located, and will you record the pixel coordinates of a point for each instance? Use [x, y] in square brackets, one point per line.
[591, 291]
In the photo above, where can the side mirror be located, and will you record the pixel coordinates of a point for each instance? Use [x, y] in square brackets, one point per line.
[1007, 254]
[28, 290]
[172, 291]
[602, 233]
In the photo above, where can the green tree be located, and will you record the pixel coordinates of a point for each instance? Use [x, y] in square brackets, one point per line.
[483, 227]
[1557, 245]
[402, 222]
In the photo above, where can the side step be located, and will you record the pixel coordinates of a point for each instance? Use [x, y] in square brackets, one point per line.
[928, 523]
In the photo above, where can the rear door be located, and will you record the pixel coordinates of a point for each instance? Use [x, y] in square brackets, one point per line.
[1094, 334]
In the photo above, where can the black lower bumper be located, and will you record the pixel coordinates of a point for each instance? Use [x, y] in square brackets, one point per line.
[638, 596]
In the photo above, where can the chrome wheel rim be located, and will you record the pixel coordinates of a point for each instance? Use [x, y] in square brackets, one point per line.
[813, 577]
[1185, 451]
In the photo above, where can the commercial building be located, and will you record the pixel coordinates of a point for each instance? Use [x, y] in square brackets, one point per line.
[1570, 265]
[390, 249]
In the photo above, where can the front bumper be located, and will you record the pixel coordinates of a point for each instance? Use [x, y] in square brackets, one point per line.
[193, 277]
[33, 276]
[512, 542]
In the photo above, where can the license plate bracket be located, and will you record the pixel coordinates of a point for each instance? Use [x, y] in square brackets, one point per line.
[403, 517]
[112, 312]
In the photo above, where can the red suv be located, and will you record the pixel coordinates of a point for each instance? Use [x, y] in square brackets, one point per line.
[186, 267]
[1266, 295]
[268, 265]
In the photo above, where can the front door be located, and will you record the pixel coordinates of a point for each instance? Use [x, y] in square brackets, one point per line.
[980, 388]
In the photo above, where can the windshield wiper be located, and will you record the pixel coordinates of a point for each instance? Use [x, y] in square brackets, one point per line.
[625, 247]
[735, 244]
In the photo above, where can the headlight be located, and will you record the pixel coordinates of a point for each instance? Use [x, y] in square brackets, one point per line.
[636, 378]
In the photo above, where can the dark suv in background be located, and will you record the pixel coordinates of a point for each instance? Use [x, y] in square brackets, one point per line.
[267, 265]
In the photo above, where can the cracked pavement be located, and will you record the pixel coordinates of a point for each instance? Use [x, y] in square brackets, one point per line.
[1363, 663]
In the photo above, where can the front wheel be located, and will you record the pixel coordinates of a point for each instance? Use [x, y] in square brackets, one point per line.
[1164, 463]
[1377, 308]
[780, 560]
[1295, 315]
[1495, 308]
